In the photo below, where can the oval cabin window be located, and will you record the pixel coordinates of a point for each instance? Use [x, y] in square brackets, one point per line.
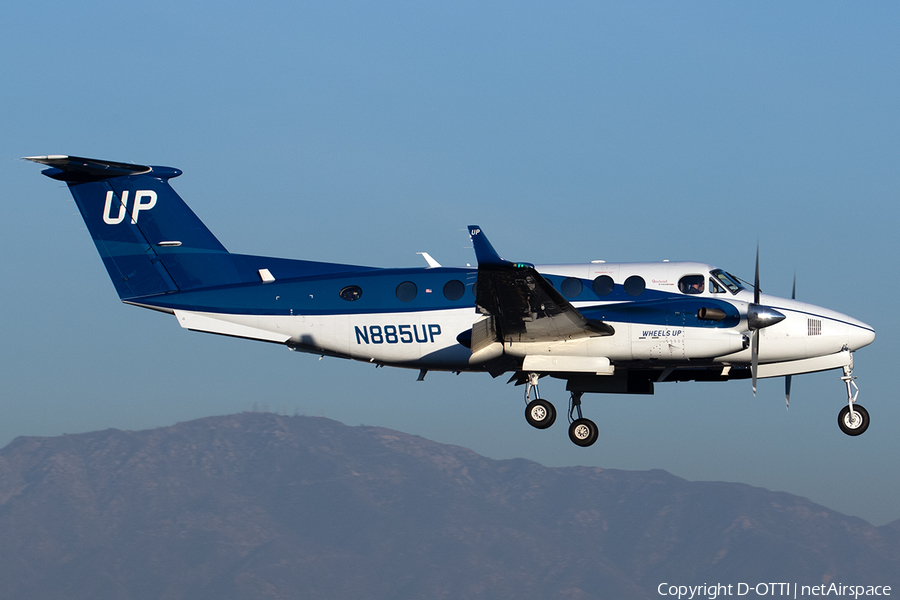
[406, 291]
[351, 293]
[635, 285]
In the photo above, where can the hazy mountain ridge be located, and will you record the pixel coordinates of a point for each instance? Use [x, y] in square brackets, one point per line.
[261, 505]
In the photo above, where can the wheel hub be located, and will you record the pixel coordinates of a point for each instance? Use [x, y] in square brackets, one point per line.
[582, 432]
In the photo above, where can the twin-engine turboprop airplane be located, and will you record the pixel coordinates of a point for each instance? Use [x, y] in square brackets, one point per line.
[601, 327]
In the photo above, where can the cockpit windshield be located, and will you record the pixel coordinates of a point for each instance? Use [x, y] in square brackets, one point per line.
[728, 280]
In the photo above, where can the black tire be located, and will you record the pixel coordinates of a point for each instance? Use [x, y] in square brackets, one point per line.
[540, 414]
[853, 428]
[583, 432]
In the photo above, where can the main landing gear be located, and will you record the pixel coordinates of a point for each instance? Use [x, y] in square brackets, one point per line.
[853, 420]
[583, 432]
[538, 412]
[541, 414]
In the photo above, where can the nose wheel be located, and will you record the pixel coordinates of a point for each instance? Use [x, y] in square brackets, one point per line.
[855, 422]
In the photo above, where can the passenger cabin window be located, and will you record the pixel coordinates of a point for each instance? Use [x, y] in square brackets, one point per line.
[351, 293]
[691, 284]
[571, 287]
[728, 280]
[634, 285]
[454, 289]
[406, 291]
[603, 285]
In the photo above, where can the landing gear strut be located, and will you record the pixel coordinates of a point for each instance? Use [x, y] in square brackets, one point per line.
[538, 412]
[541, 414]
[583, 432]
[853, 420]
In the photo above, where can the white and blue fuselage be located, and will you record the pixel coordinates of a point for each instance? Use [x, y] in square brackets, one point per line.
[602, 327]
[656, 327]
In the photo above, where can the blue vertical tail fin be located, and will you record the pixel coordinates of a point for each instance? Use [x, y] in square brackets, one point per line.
[150, 241]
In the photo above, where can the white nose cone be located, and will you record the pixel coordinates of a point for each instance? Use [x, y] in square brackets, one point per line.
[861, 335]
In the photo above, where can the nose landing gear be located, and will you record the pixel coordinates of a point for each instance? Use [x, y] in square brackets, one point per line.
[853, 420]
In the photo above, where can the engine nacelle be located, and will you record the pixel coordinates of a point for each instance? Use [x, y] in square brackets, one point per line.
[633, 342]
[680, 343]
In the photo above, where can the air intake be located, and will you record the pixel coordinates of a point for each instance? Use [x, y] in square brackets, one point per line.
[815, 326]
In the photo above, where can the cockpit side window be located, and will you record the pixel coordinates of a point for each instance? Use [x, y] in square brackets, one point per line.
[728, 280]
[691, 284]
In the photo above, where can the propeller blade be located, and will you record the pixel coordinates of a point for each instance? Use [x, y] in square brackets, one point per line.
[754, 360]
[754, 340]
[756, 277]
[787, 380]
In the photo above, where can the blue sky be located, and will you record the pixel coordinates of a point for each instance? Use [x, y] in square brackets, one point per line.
[366, 132]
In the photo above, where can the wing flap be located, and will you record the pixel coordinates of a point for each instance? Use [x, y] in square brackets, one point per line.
[522, 305]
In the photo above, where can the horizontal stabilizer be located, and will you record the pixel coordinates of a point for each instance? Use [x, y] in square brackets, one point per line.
[76, 168]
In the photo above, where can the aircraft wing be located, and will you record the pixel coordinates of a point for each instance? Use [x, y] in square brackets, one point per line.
[522, 305]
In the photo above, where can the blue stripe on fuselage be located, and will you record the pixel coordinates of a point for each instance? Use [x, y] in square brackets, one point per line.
[674, 310]
[318, 294]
